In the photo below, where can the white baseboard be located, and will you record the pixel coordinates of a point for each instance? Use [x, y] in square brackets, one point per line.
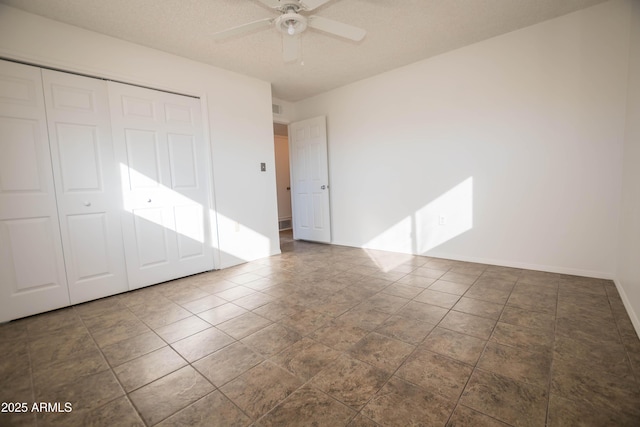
[627, 305]
[527, 266]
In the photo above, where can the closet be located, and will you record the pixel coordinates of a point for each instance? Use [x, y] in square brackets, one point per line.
[103, 188]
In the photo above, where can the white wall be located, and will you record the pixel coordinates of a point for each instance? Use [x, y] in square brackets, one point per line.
[516, 140]
[238, 110]
[628, 274]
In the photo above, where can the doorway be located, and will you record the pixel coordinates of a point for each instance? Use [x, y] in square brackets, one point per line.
[283, 179]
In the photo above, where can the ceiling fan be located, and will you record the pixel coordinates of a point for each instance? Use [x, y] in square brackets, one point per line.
[292, 21]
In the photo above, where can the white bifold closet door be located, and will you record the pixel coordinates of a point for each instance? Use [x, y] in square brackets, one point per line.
[32, 271]
[162, 159]
[87, 184]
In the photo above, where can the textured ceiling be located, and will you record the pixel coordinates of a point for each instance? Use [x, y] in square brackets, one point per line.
[399, 32]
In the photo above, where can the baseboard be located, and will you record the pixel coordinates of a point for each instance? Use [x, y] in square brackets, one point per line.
[627, 305]
[527, 266]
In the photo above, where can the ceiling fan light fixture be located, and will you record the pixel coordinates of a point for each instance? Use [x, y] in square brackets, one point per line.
[291, 23]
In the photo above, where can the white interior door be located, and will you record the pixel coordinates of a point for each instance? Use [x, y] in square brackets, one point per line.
[161, 152]
[310, 180]
[32, 273]
[87, 185]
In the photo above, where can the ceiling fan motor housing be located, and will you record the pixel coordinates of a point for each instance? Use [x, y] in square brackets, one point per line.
[291, 22]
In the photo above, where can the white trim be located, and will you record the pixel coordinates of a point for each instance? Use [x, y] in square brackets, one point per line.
[627, 305]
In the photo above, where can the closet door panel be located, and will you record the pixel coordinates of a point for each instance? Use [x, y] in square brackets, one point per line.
[32, 270]
[87, 185]
[160, 148]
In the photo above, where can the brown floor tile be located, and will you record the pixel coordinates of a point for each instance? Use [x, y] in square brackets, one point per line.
[276, 310]
[436, 373]
[580, 381]
[478, 327]
[490, 310]
[125, 350]
[261, 388]
[339, 334]
[116, 326]
[521, 337]
[450, 287]
[527, 318]
[226, 364]
[462, 278]
[467, 417]
[441, 299]
[253, 301]
[568, 413]
[385, 303]
[243, 325]
[222, 313]
[182, 329]
[212, 410]
[381, 351]
[119, 412]
[402, 404]
[404, 329]
[422, 312]
[350, 381]
[156, 318]
[67, 370]
[464, 348]
[305, 358]
[403, 291]
[148, 368]
[87, 393]
[362, 421]
[505, 399]
[235, 293]
[308, 406]
[517, 364]
[162, 398]
[431, 273]
[201, 344]
[206, 303]
[364, 318]
[272, 339]
[305, 321]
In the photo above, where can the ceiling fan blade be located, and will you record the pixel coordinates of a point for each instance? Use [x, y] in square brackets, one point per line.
[336, 28]
[312, 4]
[241, 29]
[290, 47]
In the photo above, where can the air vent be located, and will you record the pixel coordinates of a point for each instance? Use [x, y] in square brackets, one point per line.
[285, 224]
[277, 109]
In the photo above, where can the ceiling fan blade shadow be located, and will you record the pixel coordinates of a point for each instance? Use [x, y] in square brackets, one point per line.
[242, 29]
[290, 47]
[336, 28]
[312, 4]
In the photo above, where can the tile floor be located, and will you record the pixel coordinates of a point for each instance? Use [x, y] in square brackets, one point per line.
[330, 336]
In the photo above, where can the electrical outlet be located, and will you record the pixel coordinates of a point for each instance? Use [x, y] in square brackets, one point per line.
[263, 167]
[442, 219]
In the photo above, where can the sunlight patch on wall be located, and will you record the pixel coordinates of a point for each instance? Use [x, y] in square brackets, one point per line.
[437, 222]
[162, 205]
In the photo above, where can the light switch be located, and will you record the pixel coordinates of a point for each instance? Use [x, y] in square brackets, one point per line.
[263, 167]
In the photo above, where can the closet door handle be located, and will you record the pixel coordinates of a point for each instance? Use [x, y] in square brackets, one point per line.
[87, 204]
[148, 200]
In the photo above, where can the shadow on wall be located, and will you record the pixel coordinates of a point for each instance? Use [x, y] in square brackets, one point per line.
[442, 219]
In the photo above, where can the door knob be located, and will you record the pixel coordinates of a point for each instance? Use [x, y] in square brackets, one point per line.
[87, 204]
[148, 200]
[323, 187]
